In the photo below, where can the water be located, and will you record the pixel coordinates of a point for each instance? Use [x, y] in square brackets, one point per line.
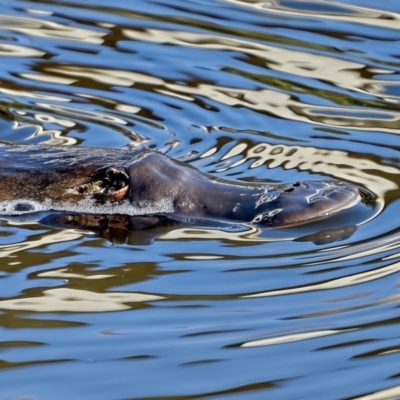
[247, 90]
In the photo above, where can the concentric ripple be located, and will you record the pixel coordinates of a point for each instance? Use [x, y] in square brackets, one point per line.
[252, 91]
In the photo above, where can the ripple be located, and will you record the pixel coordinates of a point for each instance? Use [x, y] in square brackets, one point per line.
[251, 91]
[49, 29]
[19, 51]
[288, 338]
[74, 300]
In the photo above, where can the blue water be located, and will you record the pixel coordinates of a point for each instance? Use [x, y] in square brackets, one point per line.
[251, 91]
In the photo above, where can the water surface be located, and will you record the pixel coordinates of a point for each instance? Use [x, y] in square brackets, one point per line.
[252, 91]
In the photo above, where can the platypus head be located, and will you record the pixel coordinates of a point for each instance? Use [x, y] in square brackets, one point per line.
[301, 202]
[145, 182]
[151, 182]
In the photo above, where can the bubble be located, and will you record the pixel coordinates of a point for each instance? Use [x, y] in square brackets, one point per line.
[87, 206]
[18, 207]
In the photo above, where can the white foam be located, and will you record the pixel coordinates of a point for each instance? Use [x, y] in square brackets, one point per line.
[86, 206]
[13, 207]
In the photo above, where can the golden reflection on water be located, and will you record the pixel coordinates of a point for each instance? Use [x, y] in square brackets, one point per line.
[292, 338]
[8, 250]
[72, 112]
[336, 163]
[305, 64]
[53, 30]
[50, 136]
[76, 301]
[48, 78]
[351, 118]
[29, 94]
[63, 274]
[250, 234]
[107, 76]
[19, 51]
[385, 394]
[343, 12]
[350, 280]
[341, 73]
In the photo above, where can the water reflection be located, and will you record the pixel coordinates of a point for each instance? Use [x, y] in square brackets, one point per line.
[289, 338]
[74, 300]
[145, 230]
[36, 27]
[18, 51]
[329, 10]
[251, 91]
[331, 162]
[340, 282]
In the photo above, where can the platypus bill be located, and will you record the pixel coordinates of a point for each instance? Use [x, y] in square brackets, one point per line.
[146, 182]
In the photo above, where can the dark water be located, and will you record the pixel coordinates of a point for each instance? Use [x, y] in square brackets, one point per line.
[246, 90]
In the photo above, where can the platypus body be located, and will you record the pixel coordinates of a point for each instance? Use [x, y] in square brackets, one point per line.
[144, 182]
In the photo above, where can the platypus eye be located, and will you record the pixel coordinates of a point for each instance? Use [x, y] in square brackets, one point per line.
[118, 184]
[116, 178]
[107, 184]
[115, 183]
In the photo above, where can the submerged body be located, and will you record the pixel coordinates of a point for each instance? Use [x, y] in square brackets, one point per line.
[146, 182]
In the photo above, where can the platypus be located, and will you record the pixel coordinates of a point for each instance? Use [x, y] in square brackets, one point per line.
[147, 182]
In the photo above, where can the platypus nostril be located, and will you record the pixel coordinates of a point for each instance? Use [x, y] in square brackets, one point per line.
[296, 184]
[291, 189]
